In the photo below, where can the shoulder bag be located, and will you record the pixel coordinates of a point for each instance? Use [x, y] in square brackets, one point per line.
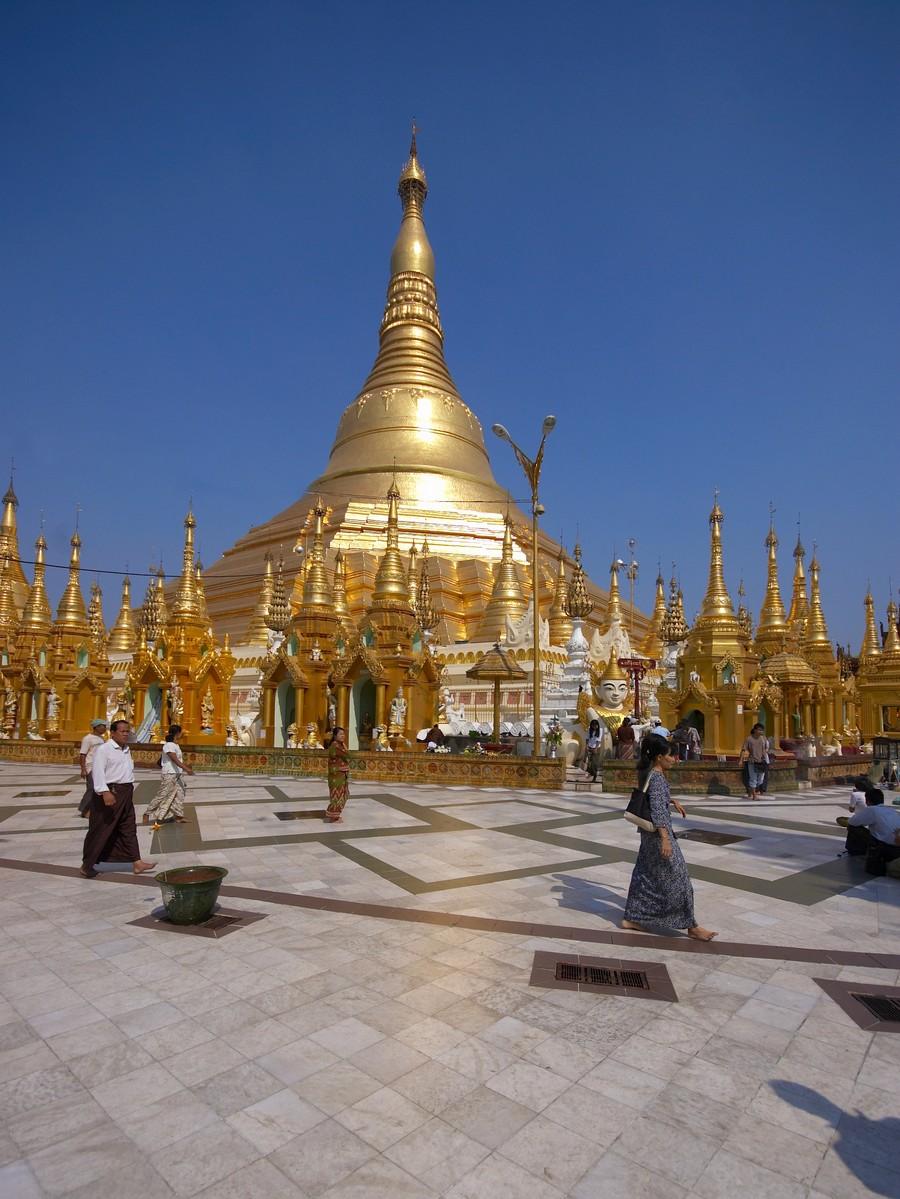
[638, 810]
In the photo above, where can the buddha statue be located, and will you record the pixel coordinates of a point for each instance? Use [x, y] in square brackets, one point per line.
[611, 694]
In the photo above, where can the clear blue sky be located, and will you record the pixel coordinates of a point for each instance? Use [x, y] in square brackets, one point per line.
[675, 225]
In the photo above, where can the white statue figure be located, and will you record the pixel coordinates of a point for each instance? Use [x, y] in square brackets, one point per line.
[694, 676]
[521, 632]
[315, 654]
[292, 734]
[380, 741]
[52, 710]
[332, 708]
[176, 701]
[612, 692]
[398, 710]
[230, 735]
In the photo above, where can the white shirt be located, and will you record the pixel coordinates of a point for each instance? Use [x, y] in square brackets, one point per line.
[112, 764]
[88, 746]
[168, 766]
[883, 822]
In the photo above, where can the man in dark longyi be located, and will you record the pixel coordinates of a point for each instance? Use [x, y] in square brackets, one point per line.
[112, 828]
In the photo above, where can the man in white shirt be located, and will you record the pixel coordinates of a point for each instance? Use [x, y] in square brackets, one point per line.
[89, 744]
[883, 824]
[112, 831]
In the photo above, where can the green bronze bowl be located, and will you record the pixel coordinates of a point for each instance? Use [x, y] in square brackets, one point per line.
[189, 893]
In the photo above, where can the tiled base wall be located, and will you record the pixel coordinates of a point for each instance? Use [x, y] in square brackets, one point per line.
[544, 774]
[820, 772]
[699, 778]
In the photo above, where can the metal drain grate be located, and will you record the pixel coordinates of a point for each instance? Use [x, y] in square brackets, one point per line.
[708, 837]
[220, 924]
[602, 976]
[317, 815]
[882, 1007]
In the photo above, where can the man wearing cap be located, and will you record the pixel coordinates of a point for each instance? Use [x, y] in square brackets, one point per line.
[89, 745]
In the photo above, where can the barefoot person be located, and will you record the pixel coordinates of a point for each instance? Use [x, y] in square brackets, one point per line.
[661, 891]
[89, 745]
[338, 776]
[112, 829]
[168, 802]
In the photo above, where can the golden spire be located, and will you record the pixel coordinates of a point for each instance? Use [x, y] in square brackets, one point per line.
[412, 573]
[150, 626]
[317, 586]
[717, 608]
[9, 544]
[257, 630]
[408, 411]
[201, 595]
[652, 645]
[425, 613]
[123, 637]
[871, 646]
[578, 605]
[95, 616]
[37, 617]
[71, 612]
[186, 607]
[391, 585]
[341, 605]
[675, 627]
[506, 599]
[816, 646]
[614, 605]
[9, 617]
[560, 624]
[279, 615]
[162, 610]
[745, 620]
[799, 602]
[772, 627]
[891, 651]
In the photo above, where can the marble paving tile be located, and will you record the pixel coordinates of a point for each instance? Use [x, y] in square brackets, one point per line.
[303, 1161]
[553, 1154]
[616, 1177]
[498, 1175]
[83, 1159]
[274, 1121]
[336, 1087]
[383, 1117]
[259, 1180]
[153, 1125]
[37, 1089]
[237, 1088]
[487, 1117]
[206, 1157]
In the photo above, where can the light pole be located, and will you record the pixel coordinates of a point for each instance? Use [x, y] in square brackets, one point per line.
[532, 469]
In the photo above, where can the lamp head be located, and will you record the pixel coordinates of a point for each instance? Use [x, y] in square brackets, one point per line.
[549, 423]
[500, 431]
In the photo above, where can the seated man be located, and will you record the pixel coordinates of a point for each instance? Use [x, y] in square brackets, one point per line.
[883, 824]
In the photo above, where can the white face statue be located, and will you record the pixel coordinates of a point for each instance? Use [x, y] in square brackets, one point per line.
[613, 694]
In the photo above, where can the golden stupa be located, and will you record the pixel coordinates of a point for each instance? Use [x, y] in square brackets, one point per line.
[408, 428]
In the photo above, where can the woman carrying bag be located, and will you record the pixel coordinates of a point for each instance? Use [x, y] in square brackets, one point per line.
[660, 891]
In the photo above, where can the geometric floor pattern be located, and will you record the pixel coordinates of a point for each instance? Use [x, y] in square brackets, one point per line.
[321, 1052]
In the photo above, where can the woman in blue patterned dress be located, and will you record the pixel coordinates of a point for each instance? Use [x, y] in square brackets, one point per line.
[661, 891]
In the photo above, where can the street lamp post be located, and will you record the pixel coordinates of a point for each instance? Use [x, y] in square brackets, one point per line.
[532, 469]
[631, 575]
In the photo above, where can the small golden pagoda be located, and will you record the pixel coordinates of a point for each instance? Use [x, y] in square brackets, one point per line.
[507, 600]
[878, 680]
[653, 644]
[799, 600]
[717, 665]
[559, 620]
[772, 627]
[123, 637]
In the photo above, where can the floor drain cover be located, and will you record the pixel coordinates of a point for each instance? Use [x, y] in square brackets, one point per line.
[874, 1010]
[223, 922]
[317, 815]
[882, 1007]
[602, 976]
[38, 794]
[708, 837]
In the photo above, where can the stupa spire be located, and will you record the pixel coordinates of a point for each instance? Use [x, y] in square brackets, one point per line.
[71, 612]
[558, 618]
[507, 600]
[578, 605]
[717, 607]
[675, 627]
[409, 411]
[614, 604]
[9, 545]
[279, 615]
[37, 616]
[799, 600]
[652, 644]
[9, 617]
[186, 607]
[425, 614]
[201, 595]
[123, 635]
[341, 604]
[95, 616]
[317, 591]
[412, 574]
[772, 627]
[391, 585]
[891, 651]
[257, 630]
[871, 646]
[817, 645]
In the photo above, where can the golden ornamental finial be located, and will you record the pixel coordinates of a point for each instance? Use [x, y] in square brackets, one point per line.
[578, 604]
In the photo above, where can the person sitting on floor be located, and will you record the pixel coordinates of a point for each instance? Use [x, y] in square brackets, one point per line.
[858, 839]
[883, 825]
